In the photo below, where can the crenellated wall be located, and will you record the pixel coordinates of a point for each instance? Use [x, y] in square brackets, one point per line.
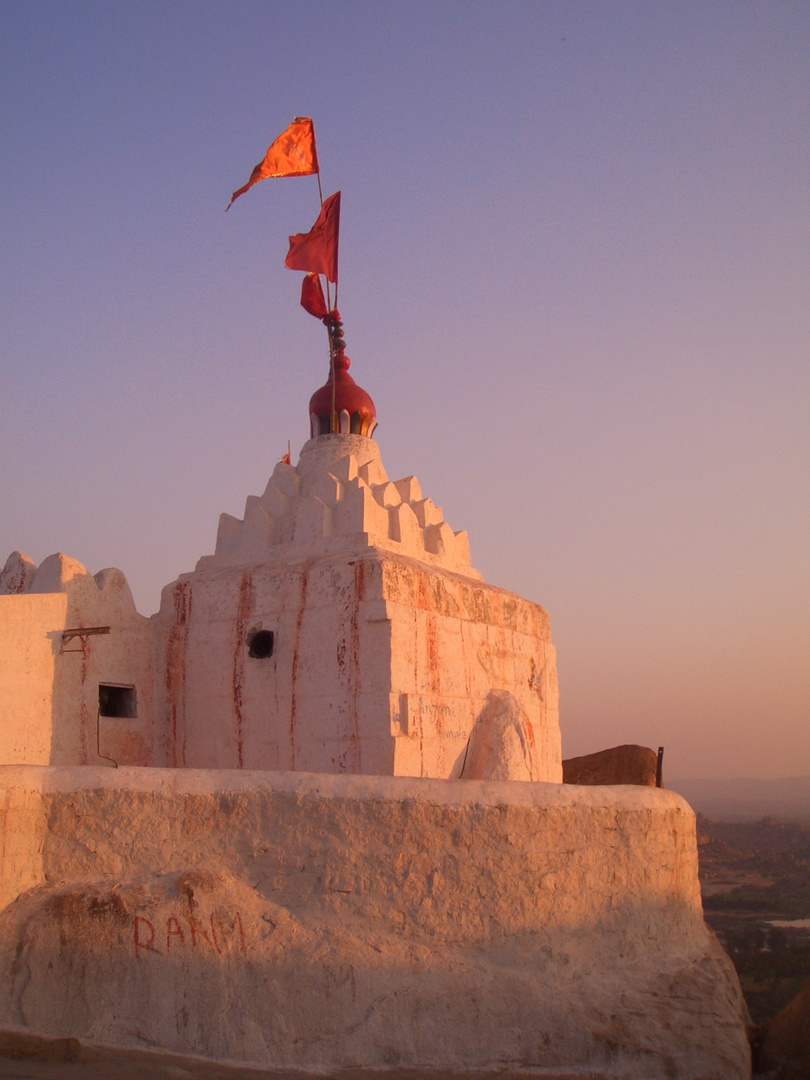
[50, 675]
[339, 493]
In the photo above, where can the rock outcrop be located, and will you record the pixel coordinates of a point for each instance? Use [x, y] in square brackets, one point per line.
[331, 923]
[501, 745]
[784, 1053]
[620, 765]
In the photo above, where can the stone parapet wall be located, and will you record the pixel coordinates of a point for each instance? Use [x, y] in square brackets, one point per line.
[319, 923]
[30, 639]
[49, 679]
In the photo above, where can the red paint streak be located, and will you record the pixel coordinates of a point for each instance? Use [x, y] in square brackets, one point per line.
[173, 929]
[354, 668]
[242, 615]
[139, 942]
[432, 648]
[174, 679]
[196, 929]
[144, 933]
[84, 717]
[294, 671]
[421, 601]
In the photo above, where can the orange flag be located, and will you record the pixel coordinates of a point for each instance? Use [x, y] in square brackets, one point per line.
[312, 298]
[317, 250]
[292, 154]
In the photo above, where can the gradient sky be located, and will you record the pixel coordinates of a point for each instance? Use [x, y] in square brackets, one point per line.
[574, 279]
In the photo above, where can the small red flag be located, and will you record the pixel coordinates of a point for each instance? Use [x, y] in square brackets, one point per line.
[312, 298]
[317, 250]
[293, 153]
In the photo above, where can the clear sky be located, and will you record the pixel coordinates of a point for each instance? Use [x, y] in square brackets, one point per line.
[574, 279]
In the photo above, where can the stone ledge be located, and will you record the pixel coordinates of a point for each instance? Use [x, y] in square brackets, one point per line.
[66, 778]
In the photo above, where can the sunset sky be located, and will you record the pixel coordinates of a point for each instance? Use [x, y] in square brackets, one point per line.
[575, 279]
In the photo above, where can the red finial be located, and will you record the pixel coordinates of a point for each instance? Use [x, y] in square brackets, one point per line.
[354, 412]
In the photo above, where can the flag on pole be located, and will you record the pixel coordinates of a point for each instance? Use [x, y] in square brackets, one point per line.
[312, 298]
[293, 153]
[317, 250]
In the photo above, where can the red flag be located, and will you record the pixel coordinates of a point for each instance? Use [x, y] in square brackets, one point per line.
[317, 250]
[293, 153]
[312, 298]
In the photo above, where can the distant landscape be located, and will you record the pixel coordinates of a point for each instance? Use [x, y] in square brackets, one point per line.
[746, 799]
[755, 882]
[754, 848]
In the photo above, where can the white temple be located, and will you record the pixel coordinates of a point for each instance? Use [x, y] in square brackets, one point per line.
[339, 627]
[276, 826]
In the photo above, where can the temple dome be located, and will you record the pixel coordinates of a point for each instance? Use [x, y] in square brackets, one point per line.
[354, 410]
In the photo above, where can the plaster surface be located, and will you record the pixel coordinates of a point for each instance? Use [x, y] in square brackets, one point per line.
[325, 923]
[380, 665]
[388, 644]
[49, 682]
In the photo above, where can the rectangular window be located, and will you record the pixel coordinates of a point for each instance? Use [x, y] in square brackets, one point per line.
[116, 700]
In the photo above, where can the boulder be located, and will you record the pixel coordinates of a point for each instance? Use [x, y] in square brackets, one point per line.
[620, 765]
[784, 1052]
[501, 745]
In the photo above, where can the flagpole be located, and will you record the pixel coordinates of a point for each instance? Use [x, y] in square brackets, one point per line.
[335, 424]
[333, 418]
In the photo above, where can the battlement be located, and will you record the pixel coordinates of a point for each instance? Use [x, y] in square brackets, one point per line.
[338, 496]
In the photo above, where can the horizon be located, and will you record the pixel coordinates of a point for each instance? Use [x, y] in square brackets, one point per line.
[574, 280]
[742, 779]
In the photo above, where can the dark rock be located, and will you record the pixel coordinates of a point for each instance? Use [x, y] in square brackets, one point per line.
[784, 1050]
[619, 765]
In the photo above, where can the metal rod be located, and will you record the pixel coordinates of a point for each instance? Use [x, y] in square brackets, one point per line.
[333, 418]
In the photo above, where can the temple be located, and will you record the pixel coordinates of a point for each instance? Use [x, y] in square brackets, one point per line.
[276, 828]
[338, 627]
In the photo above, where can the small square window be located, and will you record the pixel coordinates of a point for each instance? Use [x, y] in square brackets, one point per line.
[116, 700]
[260, 644]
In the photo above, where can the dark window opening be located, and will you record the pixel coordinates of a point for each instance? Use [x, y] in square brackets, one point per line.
[323, 424]
[116, 700]
[355, 424]
[260, 644]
